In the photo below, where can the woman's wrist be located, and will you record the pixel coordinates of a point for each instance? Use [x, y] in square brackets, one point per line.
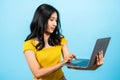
[62, 63]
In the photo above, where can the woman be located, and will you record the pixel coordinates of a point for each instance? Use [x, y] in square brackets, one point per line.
[45, 45]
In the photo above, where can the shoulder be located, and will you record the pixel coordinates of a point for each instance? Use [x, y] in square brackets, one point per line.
[63, 40]
[29, 42]
[29, 45]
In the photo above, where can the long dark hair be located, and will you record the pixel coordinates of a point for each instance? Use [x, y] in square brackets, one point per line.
[39, 25]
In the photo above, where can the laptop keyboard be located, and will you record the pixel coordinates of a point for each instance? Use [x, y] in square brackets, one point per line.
[80, 62]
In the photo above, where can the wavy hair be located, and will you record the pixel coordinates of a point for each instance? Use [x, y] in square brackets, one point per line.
[39, 25]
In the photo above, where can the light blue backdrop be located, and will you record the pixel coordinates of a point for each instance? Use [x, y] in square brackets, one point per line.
[83, 21]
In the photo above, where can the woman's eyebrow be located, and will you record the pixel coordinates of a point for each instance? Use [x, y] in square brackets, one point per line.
[53, 17]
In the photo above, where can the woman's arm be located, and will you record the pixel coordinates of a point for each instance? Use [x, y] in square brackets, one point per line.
[35, 67]
[66, 53]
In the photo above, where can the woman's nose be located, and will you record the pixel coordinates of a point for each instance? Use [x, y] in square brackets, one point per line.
[55, 23]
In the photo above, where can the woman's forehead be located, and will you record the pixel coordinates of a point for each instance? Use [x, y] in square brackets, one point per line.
[54, 15]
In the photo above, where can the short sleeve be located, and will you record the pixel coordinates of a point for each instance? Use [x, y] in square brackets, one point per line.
[28, 45]
[63, 41]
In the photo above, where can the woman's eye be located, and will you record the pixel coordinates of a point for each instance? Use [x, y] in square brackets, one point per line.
[51, 19]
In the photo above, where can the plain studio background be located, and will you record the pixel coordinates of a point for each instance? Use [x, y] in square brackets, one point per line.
[83, 21]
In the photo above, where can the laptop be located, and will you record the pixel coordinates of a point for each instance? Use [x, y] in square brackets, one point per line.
[101, 44]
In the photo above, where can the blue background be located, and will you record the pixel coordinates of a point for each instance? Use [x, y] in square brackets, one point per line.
[83, 21]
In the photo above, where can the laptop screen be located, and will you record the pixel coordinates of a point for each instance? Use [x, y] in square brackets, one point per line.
[101, 44]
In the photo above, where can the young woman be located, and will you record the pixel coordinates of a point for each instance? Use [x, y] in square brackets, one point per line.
[45, 45]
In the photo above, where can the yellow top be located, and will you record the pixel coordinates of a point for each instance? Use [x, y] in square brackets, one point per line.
[47, 57]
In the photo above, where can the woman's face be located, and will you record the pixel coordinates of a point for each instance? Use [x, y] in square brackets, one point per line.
[52, 23]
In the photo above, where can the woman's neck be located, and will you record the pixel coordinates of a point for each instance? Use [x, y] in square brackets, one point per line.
[46, 37]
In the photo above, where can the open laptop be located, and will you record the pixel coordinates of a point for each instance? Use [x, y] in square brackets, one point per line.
[101, 44]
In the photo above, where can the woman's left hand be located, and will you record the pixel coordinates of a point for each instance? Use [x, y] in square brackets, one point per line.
[100, 58]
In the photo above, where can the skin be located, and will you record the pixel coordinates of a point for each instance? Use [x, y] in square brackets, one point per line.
[36, 69]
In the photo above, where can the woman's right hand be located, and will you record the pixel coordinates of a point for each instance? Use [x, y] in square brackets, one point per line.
[69, 58]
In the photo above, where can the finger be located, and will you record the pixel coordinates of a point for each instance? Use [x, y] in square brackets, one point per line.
[74, 56]
[102, 61]
[69, 59]
[97, 60]
[71, 56]
[100, 55]
[101, 58]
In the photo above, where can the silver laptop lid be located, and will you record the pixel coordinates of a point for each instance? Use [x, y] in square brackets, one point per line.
[101, 44]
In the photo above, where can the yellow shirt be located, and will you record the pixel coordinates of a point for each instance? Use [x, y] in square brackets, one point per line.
[47, 57]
